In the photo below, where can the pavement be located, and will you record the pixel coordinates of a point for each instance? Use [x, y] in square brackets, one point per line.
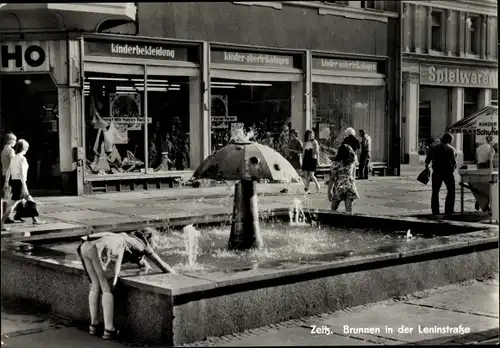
[395, 196]
[469, 312]
[473, 305]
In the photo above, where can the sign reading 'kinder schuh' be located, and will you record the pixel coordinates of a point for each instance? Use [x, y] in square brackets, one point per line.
[246, 58]
[135, 50]
[459, 77]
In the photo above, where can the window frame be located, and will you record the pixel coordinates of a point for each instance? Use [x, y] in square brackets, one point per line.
[442, 25]
[473, 37]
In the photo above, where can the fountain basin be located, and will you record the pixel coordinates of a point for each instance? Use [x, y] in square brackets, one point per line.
[177, 309]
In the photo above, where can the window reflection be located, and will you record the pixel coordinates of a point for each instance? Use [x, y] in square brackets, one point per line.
[114, 123]
[168, 132]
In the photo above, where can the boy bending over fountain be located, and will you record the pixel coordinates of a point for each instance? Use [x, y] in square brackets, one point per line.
[98, 251]
[342, 186]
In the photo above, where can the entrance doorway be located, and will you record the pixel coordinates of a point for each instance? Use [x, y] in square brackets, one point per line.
[28, 106]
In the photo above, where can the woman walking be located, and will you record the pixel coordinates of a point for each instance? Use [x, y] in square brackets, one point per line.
[342, 186]
[98, 251]
[310, 159]
[16, 177]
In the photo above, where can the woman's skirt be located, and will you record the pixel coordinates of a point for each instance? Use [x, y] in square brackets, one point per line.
[309, 164]
[16, 189]
[110, 248]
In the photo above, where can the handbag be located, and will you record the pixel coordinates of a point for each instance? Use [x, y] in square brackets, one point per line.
[26, 209]
[6, 193]
[424, 176]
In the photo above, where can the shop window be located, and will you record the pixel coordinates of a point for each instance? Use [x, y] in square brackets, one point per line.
[259, 108]
[424, 126]
[368, 4]
[168, 124]
[471, 97]
[337, 107]
[473, 40]
[437, 31]
[494, 97]
[114, 124]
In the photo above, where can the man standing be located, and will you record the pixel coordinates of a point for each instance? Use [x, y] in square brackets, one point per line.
[443, 158]
[365, 154]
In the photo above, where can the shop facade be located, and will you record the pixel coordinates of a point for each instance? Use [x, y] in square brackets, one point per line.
[438, 95]
[350, 93]
[132, 112]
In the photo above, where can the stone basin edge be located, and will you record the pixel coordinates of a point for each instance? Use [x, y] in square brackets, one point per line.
[202, 285]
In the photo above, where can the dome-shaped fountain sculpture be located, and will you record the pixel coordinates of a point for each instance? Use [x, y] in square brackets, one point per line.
[246, 162]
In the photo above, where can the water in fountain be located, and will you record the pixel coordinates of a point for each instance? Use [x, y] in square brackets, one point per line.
[191, 236]
[296, 213]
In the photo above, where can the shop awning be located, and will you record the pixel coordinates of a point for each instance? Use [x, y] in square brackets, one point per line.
[90, 16]
[468, 124]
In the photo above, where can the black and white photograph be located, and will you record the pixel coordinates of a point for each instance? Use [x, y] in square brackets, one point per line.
[249, 173]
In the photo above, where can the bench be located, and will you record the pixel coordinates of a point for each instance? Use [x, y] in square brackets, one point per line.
[133, 182]
[376, 168]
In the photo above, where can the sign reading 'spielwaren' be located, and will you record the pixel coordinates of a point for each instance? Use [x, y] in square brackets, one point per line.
[135, 50]
[459, 76]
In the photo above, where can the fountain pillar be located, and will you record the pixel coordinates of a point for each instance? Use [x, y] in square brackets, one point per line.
[245, 229]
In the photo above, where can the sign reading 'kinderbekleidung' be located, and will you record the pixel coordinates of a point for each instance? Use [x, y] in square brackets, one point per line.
[246, 58]
[458, 77]
[135, 50]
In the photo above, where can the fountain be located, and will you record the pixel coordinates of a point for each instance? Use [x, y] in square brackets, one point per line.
[301, 270]
[296, 213]
[246, 162]
[191, 237]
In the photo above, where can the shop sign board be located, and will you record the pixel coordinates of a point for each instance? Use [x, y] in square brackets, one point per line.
[458, 77]
[222, 122]
[141, 50]
[28, 56]
[254, 59]
[487, 125]
[344, 65]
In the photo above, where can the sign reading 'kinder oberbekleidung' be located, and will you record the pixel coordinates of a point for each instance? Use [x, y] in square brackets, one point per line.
[135, 50]
[342, 64]
[458, 77]
[246, 58]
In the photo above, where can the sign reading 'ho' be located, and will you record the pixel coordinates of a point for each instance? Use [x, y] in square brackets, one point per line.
[135, 50]
[24, 56]
[458, 77]
[255, 59]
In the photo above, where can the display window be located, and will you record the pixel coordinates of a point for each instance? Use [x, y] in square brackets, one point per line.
[337, 107]
[114, 124]
[168, 130]
[263, 108]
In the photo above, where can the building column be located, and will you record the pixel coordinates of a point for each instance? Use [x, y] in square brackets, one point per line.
[448, 33]
[406, 27]
[195, 122]
[416, 30]
[484, 36]
[428, 40]
[457, 113]
[484, 98]
[206, 129]
[461, 34]
[410, 119]
[301, 99]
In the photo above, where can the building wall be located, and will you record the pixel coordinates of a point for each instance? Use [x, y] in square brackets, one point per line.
[417, 23]
[439, 108]
[454, 54]
[289, 27]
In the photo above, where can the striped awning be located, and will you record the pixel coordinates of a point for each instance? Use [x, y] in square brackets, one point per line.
[468, 124]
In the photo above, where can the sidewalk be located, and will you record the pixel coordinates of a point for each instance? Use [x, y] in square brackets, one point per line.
[473, 305]
[396, 196]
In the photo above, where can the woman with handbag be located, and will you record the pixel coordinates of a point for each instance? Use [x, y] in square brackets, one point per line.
[17, 176]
